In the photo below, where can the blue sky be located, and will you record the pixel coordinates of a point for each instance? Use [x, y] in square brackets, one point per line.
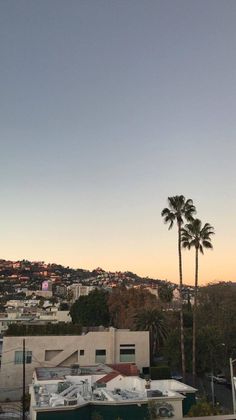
[108, 108]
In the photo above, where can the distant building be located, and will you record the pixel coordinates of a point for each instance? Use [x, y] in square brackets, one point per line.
[47, 285]
[42, 293]
[153, 290]
[32, 315]
[78, 289]
[176, 294]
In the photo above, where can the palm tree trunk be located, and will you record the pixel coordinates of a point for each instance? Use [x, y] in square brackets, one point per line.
[181, 302]
[194, 316]
[151, 349]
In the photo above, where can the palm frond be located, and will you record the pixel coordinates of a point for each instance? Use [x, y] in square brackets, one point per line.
[194, 235]
[178, 210]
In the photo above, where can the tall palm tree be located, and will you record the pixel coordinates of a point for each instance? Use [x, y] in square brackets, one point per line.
[152, 320]
[178, 211]
[194, 235]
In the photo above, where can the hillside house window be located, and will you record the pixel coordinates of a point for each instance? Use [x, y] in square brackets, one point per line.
[19, 357]
[127, 353]
[81, 352]
[100, 356]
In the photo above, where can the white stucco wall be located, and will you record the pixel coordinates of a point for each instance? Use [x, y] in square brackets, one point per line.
[70, 346]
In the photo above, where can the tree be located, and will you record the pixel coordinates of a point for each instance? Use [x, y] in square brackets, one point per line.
[179, 210]
[152, 320]
[216, 308]
[165, 292]
[91, 310]
[124, 303]
[202, 409]
[194, 235]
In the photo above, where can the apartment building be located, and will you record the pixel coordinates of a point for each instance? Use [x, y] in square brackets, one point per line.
[29, 316]
[110, 346]
[78, 289]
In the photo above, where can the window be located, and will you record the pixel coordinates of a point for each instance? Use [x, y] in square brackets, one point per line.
[19, 357]
[127, 353]
[81, 352]
[100, 356]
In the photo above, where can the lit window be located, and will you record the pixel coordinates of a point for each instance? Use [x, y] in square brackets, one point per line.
[19, 357]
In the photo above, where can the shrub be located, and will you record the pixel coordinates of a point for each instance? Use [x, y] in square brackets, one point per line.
[160, 372]
[203, 408]
[62, 328]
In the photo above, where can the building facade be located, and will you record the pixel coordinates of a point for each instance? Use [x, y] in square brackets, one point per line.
[101, 392]
[78, 289]
[110, 346]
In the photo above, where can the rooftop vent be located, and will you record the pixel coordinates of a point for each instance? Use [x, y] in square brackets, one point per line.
[154, 393]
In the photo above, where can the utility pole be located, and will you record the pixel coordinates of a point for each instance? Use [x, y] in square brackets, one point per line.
[231, 362]
[23, 398]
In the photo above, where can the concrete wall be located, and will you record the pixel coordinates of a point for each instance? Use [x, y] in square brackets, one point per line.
[63, 351]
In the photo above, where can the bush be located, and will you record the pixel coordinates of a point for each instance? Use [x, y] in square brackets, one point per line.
[62, 328]
[203, 408]
[160, 372]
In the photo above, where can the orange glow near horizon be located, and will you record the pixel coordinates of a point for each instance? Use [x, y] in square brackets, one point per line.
[160, 262]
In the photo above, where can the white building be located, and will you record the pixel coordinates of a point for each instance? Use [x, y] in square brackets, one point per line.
[110, 346]
[39, 293]
[78, 289]
[64, 390]
[38, 316]
[21, 303]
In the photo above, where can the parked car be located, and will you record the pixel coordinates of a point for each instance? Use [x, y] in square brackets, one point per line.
[228, 384]
[220, 379]
[177, 376]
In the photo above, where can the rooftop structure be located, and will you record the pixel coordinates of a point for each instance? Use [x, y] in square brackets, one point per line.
[101, 387]
[78, 289]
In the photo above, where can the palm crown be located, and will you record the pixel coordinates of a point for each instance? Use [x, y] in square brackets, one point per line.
[152, 320]
[178, 209]
[194, 235]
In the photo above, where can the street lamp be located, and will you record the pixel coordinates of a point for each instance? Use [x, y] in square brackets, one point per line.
[231, 362]
[212, 388]
[212, 379]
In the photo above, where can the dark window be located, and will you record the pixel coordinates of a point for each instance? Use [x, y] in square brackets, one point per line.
[81, 352]
[100, 352]
[100, 356]
[127, 353]
[127, 345]
[19, 357]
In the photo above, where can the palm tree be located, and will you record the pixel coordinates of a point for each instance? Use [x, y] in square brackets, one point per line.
[152, 320]
[179, 210]
[198, 237]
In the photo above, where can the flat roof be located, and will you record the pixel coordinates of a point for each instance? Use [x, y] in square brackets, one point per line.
[52, 373]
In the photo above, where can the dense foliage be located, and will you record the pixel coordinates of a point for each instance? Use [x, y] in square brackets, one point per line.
[203, 408]
[124, 304]
[91, 310]
[62, 328]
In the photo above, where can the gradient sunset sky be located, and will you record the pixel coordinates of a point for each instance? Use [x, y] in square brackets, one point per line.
[107, 108]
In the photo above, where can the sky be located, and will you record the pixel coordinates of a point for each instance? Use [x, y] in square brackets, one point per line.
[106, 109]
